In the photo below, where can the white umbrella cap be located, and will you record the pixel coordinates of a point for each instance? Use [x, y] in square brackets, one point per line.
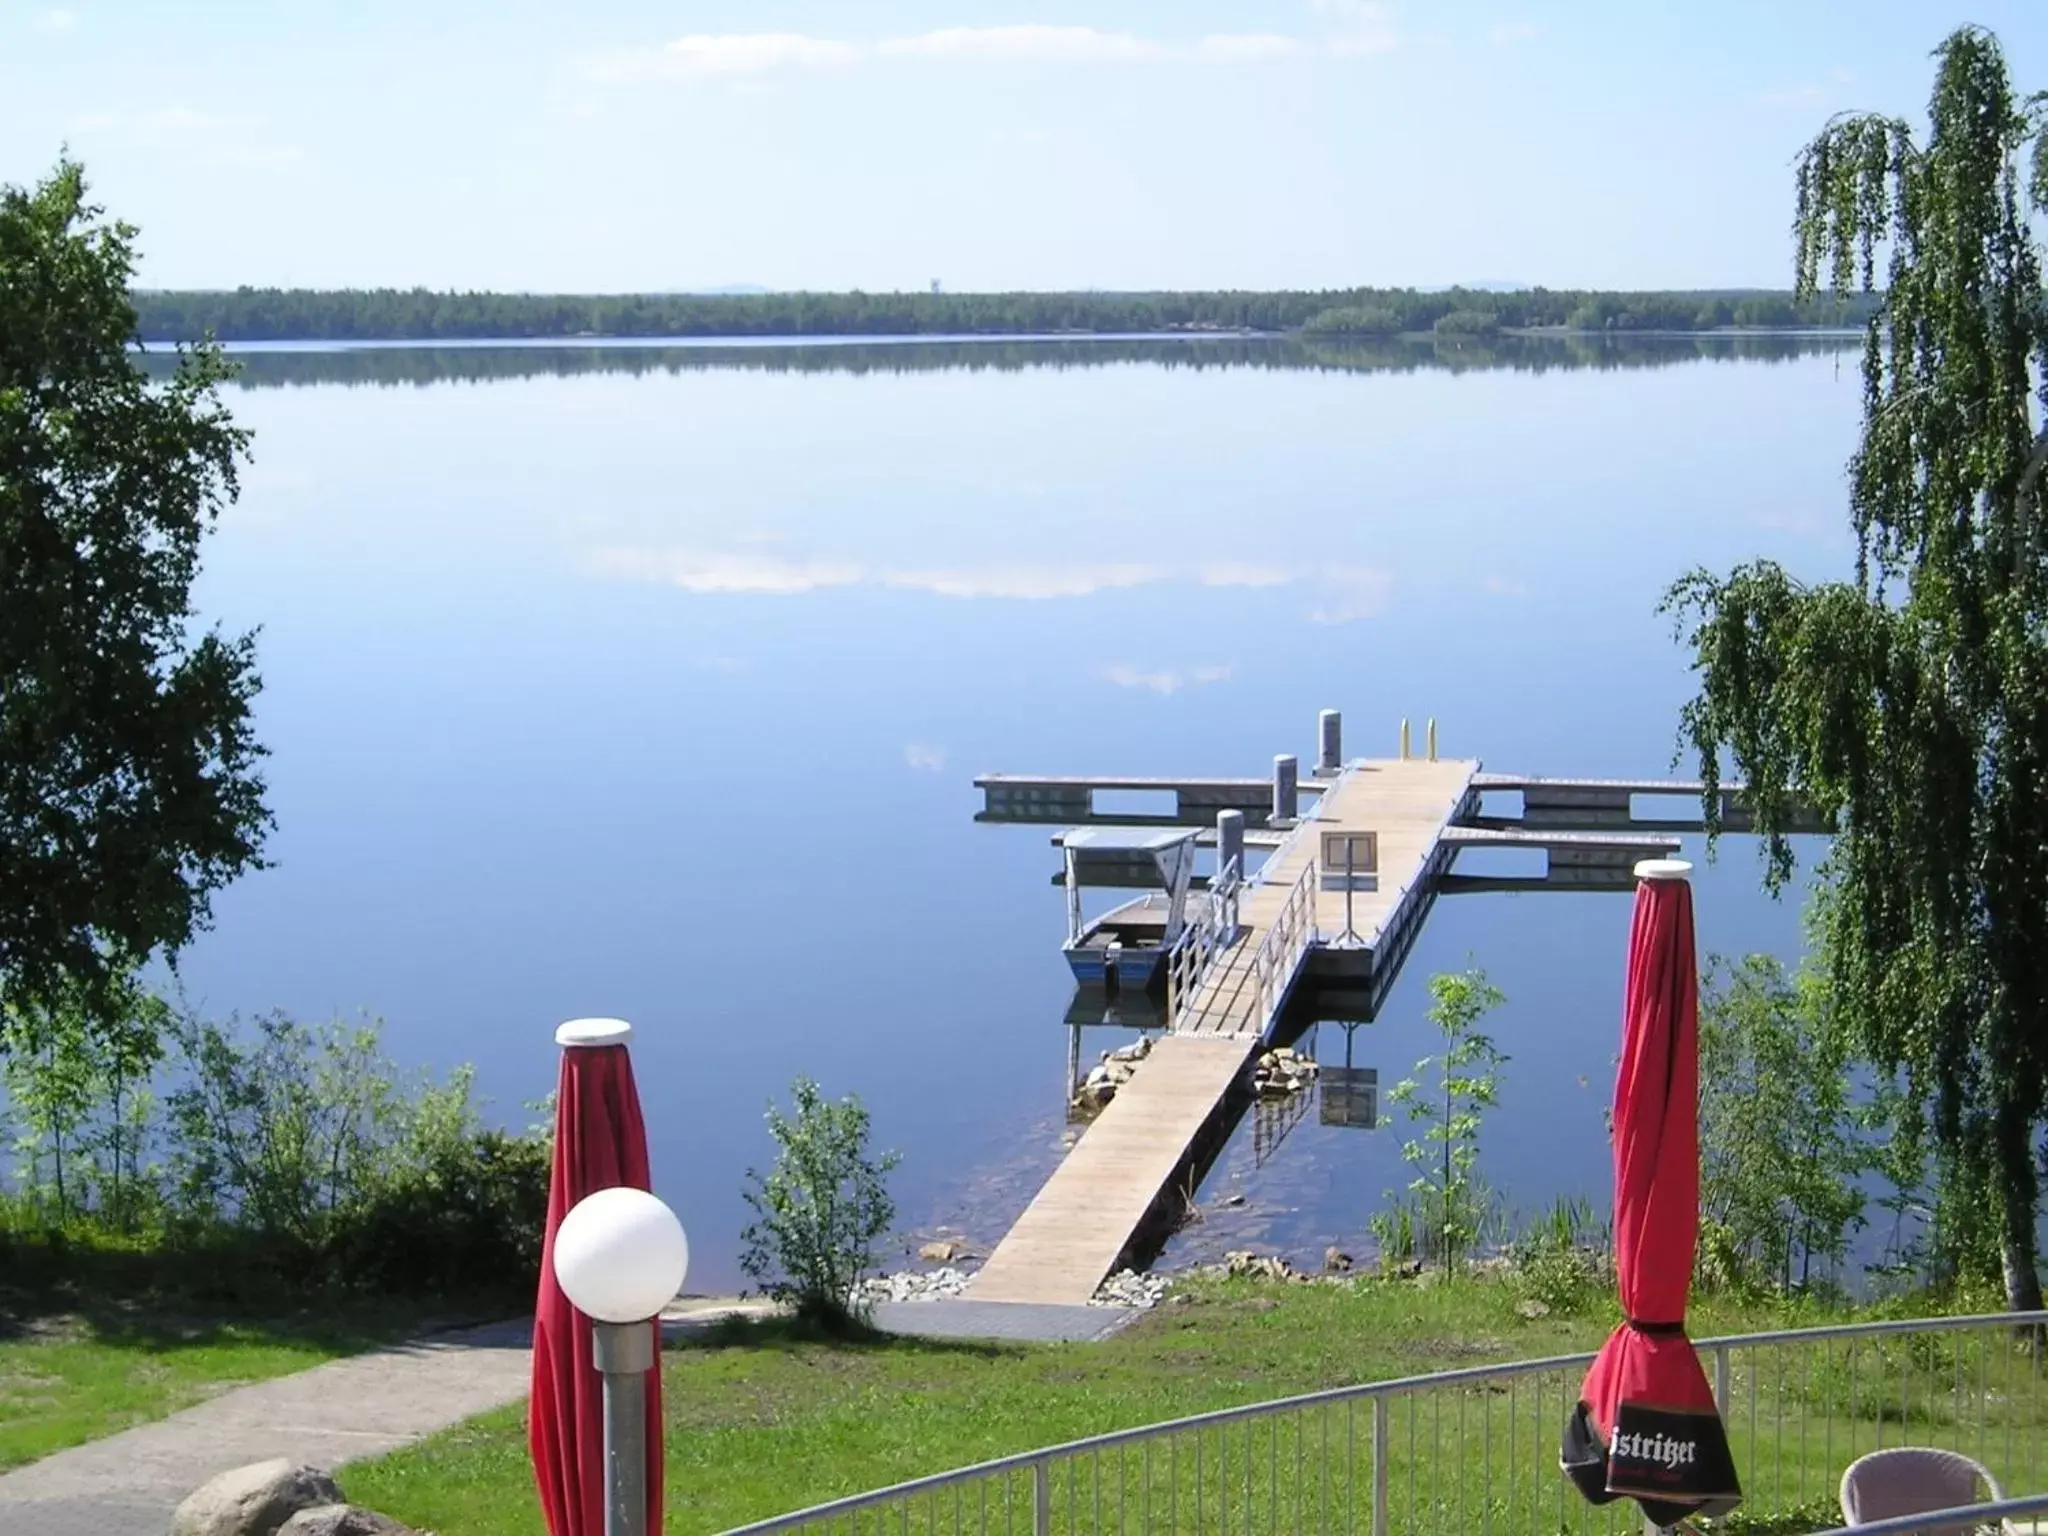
[1663, 869]
[593, 1032]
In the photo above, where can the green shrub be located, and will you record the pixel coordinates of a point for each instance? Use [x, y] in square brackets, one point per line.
[1564, 1259]
[300, 1151]
[821, 1209]
[1780, 1147]
[1449, 1208]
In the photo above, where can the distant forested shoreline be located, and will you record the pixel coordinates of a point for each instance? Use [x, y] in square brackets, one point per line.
[389, 314]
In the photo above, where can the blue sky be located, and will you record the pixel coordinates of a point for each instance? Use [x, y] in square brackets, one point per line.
[1287, 143]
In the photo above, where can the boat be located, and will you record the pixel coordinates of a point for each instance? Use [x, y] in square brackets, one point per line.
[1125, 948]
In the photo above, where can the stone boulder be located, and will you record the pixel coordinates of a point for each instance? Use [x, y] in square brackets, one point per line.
[1116, 1068]
[1245, 1264]
[1281, 1072]
[342, 1520]
[255, 1500]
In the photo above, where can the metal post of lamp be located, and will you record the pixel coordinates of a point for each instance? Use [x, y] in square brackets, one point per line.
[620, 1257]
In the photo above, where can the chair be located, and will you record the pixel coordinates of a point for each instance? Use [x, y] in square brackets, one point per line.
[1914, 1480]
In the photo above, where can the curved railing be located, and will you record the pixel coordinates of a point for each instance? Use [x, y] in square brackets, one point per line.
[1473, 1451]
[2003, 1515]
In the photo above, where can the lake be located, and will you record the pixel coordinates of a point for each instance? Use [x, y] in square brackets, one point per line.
[651, 681]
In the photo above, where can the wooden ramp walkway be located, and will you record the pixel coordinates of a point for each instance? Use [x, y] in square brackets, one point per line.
[1104, 1199]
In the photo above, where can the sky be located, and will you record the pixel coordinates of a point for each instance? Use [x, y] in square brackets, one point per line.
[633, 146]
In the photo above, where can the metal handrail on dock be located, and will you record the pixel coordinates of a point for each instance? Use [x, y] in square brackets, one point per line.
[1200, 942]
[1279, 955]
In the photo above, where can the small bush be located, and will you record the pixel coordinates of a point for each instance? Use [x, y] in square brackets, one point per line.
[821, 1209]
[1449, 1210]
[1564, 1260]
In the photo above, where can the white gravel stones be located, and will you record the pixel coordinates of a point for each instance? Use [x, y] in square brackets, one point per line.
[1128, 1288]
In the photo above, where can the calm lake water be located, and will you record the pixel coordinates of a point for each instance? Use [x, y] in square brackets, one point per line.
[650, 681]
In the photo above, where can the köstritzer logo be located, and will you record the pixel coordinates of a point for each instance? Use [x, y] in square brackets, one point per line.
[1658, 1450]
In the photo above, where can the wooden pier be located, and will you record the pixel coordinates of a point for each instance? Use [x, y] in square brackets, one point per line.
[1102, 1197]
[1228, 984]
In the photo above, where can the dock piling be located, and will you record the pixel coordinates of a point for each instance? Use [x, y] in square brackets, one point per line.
[1404, 738]
[1429, 739]
[1329, 743]
[1286, 788]
[1230, 841]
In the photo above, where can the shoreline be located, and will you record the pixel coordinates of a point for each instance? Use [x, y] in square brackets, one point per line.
[300, 344]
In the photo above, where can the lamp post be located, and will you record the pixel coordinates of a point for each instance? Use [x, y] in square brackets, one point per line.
[620, 1257]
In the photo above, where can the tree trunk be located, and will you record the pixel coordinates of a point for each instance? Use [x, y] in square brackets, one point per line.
[2019, 1190]
[2022, 1276]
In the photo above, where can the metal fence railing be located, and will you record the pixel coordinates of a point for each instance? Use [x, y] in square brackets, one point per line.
[1474, 1451]
[2007, 1517]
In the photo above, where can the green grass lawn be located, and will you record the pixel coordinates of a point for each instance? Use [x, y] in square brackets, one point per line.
[65, 1380]
[98, 1337]
[762, 1420]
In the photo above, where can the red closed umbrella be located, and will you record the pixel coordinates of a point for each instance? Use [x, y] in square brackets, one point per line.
[600, 1143]
[1646, 1426]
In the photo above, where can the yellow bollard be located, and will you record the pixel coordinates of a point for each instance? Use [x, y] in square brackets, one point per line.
[1404, 741]
[1430, 738]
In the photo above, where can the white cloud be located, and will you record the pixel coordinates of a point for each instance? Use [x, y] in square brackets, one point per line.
[1248, 47]
[924, 759]
[1343, 593]
[1027, 581]
[711, 55]
[1358, 27]
[1166, 684]
[58, 21]
[1355, 27]
[1354, 592]
[1029, 44]
[1233, 575]
[1504, 586]
[712, 571]
[1508, 33]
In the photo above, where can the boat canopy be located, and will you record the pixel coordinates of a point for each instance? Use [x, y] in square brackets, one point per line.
[1129, 839]
[1171, 851]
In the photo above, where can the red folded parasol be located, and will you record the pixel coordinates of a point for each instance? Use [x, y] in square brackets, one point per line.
[600, 1143]
[1646, 1426]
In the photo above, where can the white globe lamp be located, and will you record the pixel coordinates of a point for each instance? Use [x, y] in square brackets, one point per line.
[621, 1256]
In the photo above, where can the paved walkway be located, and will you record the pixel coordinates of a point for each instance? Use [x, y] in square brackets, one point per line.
[1023, 1322]
[128, 1484]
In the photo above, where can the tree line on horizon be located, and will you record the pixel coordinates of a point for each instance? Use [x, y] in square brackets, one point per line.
[383, 314]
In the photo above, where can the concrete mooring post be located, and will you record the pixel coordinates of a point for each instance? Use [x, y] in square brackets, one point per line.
[1329, 743]
[1286, 787]
[1230, 841]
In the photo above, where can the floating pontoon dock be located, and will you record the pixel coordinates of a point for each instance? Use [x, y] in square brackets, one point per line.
[1350, 877]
